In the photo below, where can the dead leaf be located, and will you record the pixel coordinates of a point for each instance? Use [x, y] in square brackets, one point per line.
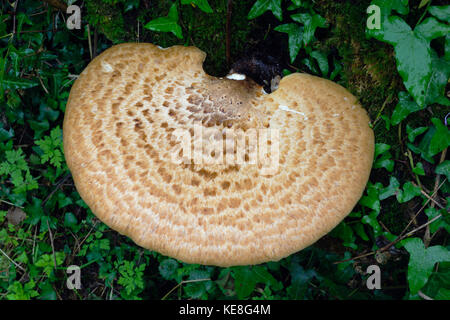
[15, 215]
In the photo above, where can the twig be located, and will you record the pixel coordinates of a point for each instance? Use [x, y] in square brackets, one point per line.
[51, 242]
[42, 84]
[89, 40]
[388, 99]
[58, 185]
[11, 204]
[181, 283]
[15, 263]
[402, 234]
[424, 296]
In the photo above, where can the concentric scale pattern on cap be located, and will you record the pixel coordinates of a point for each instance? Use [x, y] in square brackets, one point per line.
[118, 140]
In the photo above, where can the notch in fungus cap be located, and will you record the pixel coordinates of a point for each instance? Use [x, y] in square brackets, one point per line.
[134, 109]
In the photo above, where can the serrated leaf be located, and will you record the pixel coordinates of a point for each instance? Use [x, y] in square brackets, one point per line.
[262, 6]
[422, 261]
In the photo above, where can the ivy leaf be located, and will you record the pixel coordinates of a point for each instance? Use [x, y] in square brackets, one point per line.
[295, 34]
[440, 12]
[413, 133]
[409, 191]
[444, 168]
[412, 51]
[201, 4]
[372, 200]
[311, 22]
[299, 281]
[424, 146]
[418, 169]
[383, 158]
[167, 24]
[392, 189]
[246, 278]
[422, 261]
[435, 90]
[322, 61]
[344, 232]
[440, 139]
[439, 223]
[404, 107]
[262, 6]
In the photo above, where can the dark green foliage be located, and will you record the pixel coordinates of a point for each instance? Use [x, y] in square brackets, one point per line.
[40, 59]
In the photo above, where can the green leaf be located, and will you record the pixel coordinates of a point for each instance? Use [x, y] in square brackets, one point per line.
[392, 189]
[383, 158]
[344, 232]
[412, 51]
[295, 35]
[404, 107]
[444, 169]
[202, 4]
[70, 220]
[440, 12]
[443, 294]
[418, 169]
[167, 24]
[422, 261]
[299, 281]
[322, 61]
[424, 146]
[262, 6]
[246, 278]
[440, 222]
[372, 199]
[435, 90]
[409, 191]
[311, 22]
[13, 83]
[168, 268]
[413, 133]
[440, 139]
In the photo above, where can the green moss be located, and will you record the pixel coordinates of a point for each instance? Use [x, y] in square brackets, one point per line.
[369, 69]
[206, 31]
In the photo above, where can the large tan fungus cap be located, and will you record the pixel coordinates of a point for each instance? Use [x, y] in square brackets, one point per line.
[118, 143]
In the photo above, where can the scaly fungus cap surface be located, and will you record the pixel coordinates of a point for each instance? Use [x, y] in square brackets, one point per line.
[120, 129]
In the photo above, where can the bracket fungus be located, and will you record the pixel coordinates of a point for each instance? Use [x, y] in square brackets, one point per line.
[210, 170]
